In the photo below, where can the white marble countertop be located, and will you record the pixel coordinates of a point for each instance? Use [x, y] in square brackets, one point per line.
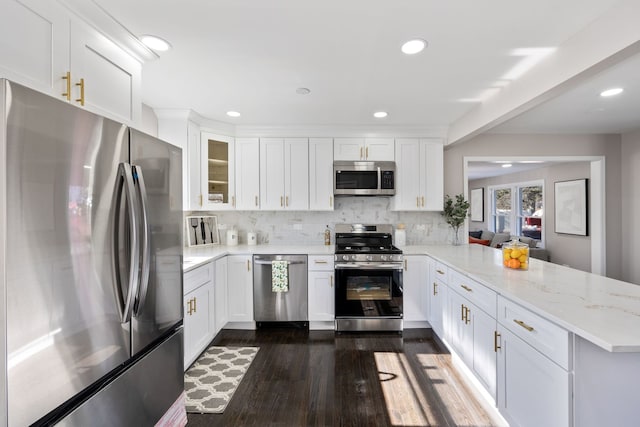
[601, 310]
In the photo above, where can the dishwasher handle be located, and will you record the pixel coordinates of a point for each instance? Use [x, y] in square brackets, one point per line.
[261, 262]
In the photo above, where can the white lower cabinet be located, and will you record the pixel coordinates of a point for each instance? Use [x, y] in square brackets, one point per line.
[415, 281]
[532, 390]
[199, 321]
[321, 291]
[437, 314]
[221, 300]
[240, 288]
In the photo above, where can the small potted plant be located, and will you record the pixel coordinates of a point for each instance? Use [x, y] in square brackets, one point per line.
[454, 213]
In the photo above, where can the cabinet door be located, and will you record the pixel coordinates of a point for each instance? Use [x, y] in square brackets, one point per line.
[379, 149]
[460, 333]
[216, 180]
[321, 174]
[483, 362]
[432, 175]
[321, 296]
[247, 168]
[220, 289]
[437, 299]
[111, 79]
[35, 45]
[197, 325]
[415, 280]
[348, 149]
[296, 178]
[532, 390]
[272, 172]
[240, 288]
[408, 167]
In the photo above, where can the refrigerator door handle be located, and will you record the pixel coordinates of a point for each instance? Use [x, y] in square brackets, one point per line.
[124, 181]
[145, 244]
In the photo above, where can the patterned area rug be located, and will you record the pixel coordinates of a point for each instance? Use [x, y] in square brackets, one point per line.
[212, 380]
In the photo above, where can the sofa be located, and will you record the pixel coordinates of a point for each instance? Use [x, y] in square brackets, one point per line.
[495, 240]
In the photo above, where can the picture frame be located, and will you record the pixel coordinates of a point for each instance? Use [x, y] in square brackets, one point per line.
[202, 230]
[477, 205]
[571, 207]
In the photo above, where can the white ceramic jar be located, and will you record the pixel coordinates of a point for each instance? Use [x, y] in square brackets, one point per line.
[232, 237]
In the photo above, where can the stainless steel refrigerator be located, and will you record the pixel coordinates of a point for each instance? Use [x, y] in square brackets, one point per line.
[90, 265]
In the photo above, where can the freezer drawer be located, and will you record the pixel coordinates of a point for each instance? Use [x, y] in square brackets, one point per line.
[289, 306]
[141, 395]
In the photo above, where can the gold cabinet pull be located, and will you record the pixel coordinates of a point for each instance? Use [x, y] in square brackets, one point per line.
[189, 310]
[360, 152]
[417, 201]
[195, 304]
[331, 280]
[466, 316]
[461, 311]
[286, 201]
[366, 156]
[281, 201]
[248, 265]
[67, 77]
[435, 288]
[496, 335]
[233, 201]
[320, 261]
[201, 200]
[256, 200]
[440, 272]
[330, 201]
[466, 288]
[81, 99]
[405, 265]
[423, 201]
[524, 325]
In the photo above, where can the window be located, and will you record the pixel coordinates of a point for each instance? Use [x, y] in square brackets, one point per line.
[518, 209]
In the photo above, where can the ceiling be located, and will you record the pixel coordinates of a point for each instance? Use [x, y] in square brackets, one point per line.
[251, 56]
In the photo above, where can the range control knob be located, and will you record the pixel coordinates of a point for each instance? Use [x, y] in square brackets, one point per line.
[369, 258]
[345, 257]
[384, 257]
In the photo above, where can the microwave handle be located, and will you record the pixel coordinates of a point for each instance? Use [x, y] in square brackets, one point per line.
[379, 179]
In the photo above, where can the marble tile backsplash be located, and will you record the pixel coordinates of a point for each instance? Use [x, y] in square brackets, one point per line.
[307, 228]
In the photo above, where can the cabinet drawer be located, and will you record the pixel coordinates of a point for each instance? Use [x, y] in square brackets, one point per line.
[440, 272]
[320, 262]
[478, 294]
[545, 336]
[197, 277]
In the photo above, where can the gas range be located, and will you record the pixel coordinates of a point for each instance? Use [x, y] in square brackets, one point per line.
[366, 243]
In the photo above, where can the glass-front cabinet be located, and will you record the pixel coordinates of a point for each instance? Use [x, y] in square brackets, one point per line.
[217, 169]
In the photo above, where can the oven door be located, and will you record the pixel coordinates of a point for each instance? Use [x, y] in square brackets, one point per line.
[369, 290]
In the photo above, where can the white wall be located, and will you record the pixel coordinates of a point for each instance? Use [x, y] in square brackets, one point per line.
[574, 251]
[631, 207]
[307, 228]
[541, 145]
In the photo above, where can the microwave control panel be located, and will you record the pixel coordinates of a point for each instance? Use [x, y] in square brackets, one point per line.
[387, 180]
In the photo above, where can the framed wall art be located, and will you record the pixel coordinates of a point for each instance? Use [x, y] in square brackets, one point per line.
[477, 204]
[202, 230]
[571, 207]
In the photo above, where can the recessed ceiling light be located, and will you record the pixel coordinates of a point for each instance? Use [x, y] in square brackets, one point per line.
[612, 92]
[414, 46]
[233, 114]
[155, 42]
[507, 165]
[380, 114]
[303, 91]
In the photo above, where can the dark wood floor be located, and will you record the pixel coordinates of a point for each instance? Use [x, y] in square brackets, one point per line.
[319, 378]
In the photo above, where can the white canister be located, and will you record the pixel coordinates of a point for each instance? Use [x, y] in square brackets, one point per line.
[252, 238]
[232, 237]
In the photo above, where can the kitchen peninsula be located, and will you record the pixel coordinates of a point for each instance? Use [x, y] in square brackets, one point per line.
[551, 344]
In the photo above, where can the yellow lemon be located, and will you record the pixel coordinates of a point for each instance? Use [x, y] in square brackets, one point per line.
[524, 265]
[516, 253]
[522, 258]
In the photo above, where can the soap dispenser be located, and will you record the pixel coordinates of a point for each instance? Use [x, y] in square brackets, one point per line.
[327, 236]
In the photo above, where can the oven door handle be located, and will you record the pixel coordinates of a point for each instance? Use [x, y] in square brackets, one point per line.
[369, 266]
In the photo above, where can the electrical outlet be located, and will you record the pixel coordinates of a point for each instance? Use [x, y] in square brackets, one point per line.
[421, 227]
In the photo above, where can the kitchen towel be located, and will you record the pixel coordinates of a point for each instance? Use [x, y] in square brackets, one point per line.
[280, 276]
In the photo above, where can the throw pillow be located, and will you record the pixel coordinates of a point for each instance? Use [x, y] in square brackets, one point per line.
[479, 241]
[475, 234]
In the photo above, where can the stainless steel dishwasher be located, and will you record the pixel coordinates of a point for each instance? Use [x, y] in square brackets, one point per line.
[287, 306]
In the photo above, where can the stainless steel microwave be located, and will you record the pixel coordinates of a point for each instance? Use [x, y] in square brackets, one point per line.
[356, 178]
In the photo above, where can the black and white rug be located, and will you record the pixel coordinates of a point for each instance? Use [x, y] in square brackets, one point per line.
[212, 380]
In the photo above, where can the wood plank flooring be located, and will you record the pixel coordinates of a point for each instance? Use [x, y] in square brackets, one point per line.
[320, 378]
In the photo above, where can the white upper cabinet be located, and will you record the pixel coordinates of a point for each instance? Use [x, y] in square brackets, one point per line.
[217, 177]
[247, 169]
[363, 149]
[419, 175]
[284, 174]
[321, 174]
[62, 56]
